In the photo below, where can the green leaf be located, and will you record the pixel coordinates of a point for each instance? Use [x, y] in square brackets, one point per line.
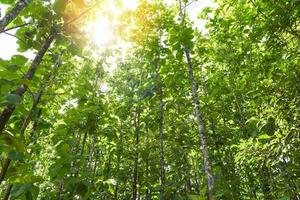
[19, 60]
[264, 137]
[60, 6]
[12, 67]
[13, 98]
[7, 1]
[19, 189]
[30, 191]
[15, 155]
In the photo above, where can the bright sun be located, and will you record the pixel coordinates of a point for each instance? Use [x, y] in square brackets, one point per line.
[130, 4]
[101, 30]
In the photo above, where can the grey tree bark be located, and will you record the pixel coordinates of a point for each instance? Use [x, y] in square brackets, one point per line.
[201, 127]
[136, 154]
[9, 17]
[198, 114]
[21, 89]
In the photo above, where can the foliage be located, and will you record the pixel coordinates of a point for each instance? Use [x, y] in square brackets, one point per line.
[94, 134]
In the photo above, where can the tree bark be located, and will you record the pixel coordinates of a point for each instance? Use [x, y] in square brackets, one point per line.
[201, 127]
[119, 153]
[9, 109]
[38, 96]
[4, 169]
[148, 192]
[136, 154]
[28, 118]
[9, 17]
[7, 192]
[92, 150]
[161, 144]
[95, 163]
[161, 126]
[200, 123]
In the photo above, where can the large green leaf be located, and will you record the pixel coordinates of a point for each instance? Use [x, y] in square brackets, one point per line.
[19, 60]
[13, 98]
[15, 155]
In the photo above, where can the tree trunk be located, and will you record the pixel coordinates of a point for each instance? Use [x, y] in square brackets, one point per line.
[38, 96]
[4, 169]
[83, 144]
[7, 192]
[136, 154]
[95, 163]
[161, 144]
[188, 185]
[9, 109]
[29, 116]
[200, 123]
[119, 153]
[34, 127]
[9, 17]
[201, 128]
[289, 182]
[76, 164]
[148, 192]
[92, 150]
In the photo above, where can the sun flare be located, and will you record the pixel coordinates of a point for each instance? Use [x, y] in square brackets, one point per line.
[101, 29]
[101, 32]
[130, 4]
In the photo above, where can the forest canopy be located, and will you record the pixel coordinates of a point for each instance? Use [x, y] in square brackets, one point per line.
[141, 100]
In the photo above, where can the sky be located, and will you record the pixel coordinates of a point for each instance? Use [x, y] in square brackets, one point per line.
[8, 44]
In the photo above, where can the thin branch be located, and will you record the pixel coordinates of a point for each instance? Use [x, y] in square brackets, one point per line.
[19, 26]
[15, 37]
[258, 9]
[79, 16]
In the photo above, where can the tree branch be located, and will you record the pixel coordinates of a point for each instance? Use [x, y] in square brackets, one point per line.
[19, 26]
[15, 37]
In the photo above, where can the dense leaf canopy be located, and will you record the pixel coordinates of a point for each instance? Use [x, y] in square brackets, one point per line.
[138, 103]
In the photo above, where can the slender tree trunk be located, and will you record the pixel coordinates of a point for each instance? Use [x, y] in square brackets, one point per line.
[200, 123]
[95, 163]
[251, 183]
[201, 128]
[81, 152]
[60, 188]
[197, 189]
[7, 192]
[148, 192]
[136, 154]
[119, 153]
[24, 126]
[92, 150]
[9, 17]
[9, 109]
[289, 182]
[161, 144]
[38, 96]
[4, 169]
[162, 176]
[187, 175]
[27, 119]
[83, 144]
[84, 139]
[34, 126]
[188, 184]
